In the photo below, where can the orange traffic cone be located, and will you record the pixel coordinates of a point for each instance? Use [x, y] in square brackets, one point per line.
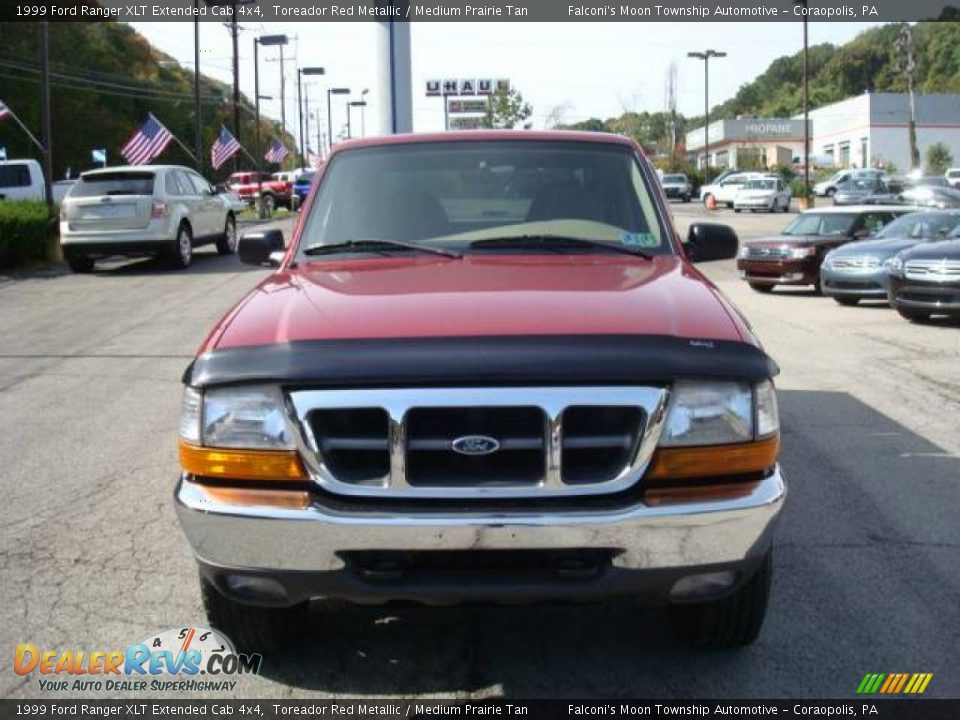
[711, 202]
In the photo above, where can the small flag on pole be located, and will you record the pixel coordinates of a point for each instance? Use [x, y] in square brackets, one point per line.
[3, 153]
[224, 148]
[99, 155]
[313, 159]
[4, 110]
[276, 152]
[149, 141]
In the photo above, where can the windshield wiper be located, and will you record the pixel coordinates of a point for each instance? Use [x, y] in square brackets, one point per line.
[555, 242]
[377, 245]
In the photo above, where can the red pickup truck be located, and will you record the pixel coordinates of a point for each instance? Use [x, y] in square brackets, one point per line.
[485, 369]
[276, 193]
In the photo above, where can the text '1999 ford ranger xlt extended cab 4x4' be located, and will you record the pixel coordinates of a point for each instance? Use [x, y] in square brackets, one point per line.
[484, 369]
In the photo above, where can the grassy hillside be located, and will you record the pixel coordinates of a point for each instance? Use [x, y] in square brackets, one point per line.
[105, 78]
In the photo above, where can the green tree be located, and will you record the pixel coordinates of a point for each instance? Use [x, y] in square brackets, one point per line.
[939, 158]
[506, 110]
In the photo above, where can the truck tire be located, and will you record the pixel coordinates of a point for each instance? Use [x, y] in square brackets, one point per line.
[180, 254]
[269, 203]
[80, 264]
[733, 621]
[227, 243]
[251, 627]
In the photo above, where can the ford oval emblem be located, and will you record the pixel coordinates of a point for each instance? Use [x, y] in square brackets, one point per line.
[475, 445]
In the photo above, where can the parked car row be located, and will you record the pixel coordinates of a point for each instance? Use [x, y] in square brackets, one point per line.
[893, 253]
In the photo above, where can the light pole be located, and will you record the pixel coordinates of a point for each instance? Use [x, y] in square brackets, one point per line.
[806, 105]
[356, 103]
[266, 41]
[198, 126]
[272, 41]
[45, 124]
[300, 73]
[363, 112]
[333, 91]
[705, 56]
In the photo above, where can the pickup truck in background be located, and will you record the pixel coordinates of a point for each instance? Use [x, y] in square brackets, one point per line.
[276, 193]
[484, 369]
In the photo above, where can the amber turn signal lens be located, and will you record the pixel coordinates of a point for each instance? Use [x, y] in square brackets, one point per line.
[291, 499]
[231, 464]
[676, 463]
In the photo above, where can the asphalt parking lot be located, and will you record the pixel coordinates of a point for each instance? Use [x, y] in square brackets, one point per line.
[867, 575]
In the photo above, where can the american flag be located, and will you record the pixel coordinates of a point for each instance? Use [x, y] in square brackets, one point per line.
[276, 152]
[313, 159]
[4, 110]
[148, 142]
[224, 148]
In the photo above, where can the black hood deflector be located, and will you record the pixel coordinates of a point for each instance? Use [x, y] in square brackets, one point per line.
[473, 361]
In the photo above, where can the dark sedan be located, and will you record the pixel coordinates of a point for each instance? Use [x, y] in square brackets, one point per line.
[794, 256]
[856, 271]
[925, 280]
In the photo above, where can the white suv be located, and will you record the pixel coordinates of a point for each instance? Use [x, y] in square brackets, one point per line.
[163, 210]
[725, 188]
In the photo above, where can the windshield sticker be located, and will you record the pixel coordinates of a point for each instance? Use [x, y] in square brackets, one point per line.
[644, 240]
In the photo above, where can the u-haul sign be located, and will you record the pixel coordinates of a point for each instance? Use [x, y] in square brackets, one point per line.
[465, 86]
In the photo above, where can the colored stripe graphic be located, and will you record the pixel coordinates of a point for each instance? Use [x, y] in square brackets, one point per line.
[894, 683]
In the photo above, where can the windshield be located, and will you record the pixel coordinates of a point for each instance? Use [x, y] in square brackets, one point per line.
[674, 179]
[113, 183]
[452, 194]
[920, 225]
[821, 224]
[761, 185]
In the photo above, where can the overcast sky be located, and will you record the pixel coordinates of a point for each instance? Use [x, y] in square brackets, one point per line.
[587, 69]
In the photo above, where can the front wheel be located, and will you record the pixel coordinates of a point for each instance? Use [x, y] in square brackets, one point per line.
[761, 288]
[736, 210]
[733, 621]
[686, 198]
[251, 627]
[227, 243]
[848, 301]
[913, 315]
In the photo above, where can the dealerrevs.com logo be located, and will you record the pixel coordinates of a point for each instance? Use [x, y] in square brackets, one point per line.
[170, 660]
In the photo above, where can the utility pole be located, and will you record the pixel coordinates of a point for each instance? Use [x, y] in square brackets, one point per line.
[806, 103]
[45, 124]
[198, 120]
[234, 33]
[705, 56]
[904, 45]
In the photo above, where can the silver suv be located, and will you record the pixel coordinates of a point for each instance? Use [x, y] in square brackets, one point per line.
[161, 210]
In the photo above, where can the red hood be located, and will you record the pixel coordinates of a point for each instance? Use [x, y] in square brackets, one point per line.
[480, 295]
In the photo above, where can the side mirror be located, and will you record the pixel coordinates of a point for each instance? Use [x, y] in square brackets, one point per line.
[711, 241]
[256, 248]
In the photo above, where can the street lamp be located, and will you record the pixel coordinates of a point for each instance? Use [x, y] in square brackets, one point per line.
[265, 40]
[705, 56]
[333, 91]
[356, 103]
[301, 72]
[806, 106]
[363, 112]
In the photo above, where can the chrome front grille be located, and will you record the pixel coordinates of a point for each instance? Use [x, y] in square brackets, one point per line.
[933, 270]
[513, 442]
[854, 262]
[767, 253]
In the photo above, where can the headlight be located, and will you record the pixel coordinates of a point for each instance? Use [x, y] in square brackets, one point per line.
[245, 417]
[802, 252]
[709, 413]
[894, 266]
[744, 251]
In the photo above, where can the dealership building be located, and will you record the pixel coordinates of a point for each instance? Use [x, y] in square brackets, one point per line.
[870, 130]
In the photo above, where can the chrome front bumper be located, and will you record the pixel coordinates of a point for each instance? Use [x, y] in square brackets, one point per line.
[304, 549]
